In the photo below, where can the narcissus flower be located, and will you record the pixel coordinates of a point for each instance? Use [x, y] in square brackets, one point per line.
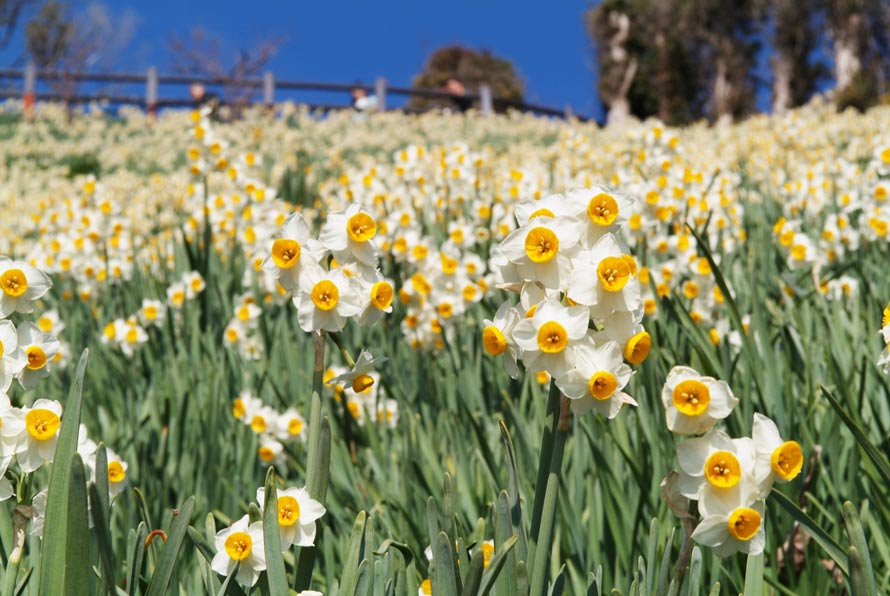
[604, 278]
[541, 250]
[37, 444]
[12, 359]
[21, 285]
[497, 336]
[597, 379]
[732, 522]
[39, 349]
[325, 300]
[240, 544]
[695, 403]
[714, 462]
[359, 378]
[291, 250]
[12, 427]
[297, 514]
[546, 337]
[777, 460]
[350, 235]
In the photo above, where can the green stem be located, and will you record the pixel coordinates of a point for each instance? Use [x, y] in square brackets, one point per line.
[544, 460]
[549, 471]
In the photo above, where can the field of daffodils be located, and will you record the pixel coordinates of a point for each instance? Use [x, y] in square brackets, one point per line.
[443, 354]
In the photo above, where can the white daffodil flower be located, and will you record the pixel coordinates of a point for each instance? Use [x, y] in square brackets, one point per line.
[547, 335]
[297, 514]
[240, 544]
[597, 379]
[21, 285]
[775, 459]
[695, 403]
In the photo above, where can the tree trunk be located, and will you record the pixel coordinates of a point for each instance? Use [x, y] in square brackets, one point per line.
[722, 92]
[782, 67]
[848, 42]
[619, 109]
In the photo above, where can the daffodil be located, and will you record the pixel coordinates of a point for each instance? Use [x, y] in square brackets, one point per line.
[714, 462]
[240, 544]
[325, 300]
[604, 278]
[350, 235]
[297, 514]
[497, 336]
[541, 250]
[39, 349]
[21, 285]
[777, 460]
[294, 248]
[694, 403]
[605, 211]
[37, 441]
[12, 427]
[12, 358]
[546, 337]
[597, 380]
[360, 378]
[732, 521]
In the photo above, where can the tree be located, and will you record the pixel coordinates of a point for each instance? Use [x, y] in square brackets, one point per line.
[10, 13]
[795, 75]
[48, 36]
[91, 39]
[860, 35]
[472, 68]
[647, 65]
[200, 54]
[728, 45]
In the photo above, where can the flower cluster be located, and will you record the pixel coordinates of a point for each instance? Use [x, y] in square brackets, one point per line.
[274, 428]
[580, 310]
[729, 478]
[350, 287]
[359, 390]
[241, 544]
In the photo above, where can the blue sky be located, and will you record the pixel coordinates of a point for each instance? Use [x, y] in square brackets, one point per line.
[349, 40]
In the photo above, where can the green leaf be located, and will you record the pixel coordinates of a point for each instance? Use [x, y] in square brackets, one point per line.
[474, 574]
[350, 571]
[77, 556]
[444, 572]
[496, 565]
[822, 538]
[53, 557]
[754, 575]
[873, 453]
[857, 537]
[163, 573]
[275, 574]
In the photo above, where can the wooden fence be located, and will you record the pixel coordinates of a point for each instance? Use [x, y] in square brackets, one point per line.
[268, 85]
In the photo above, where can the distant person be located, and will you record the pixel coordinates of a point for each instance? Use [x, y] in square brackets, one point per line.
[458, 93]
[201, 98]
[361, 101]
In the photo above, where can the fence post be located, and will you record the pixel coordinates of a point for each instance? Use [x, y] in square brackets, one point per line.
[29, 95]
[269, 89]
[380, 92]
[567, 112]
[151, 92]
[486, 105]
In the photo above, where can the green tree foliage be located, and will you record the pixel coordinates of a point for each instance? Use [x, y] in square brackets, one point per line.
[10, 13]
[860, 34]
[48, 35]
[795, 73]
[472, 68]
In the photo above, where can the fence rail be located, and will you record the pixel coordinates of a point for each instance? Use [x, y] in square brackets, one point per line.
[268, 84]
